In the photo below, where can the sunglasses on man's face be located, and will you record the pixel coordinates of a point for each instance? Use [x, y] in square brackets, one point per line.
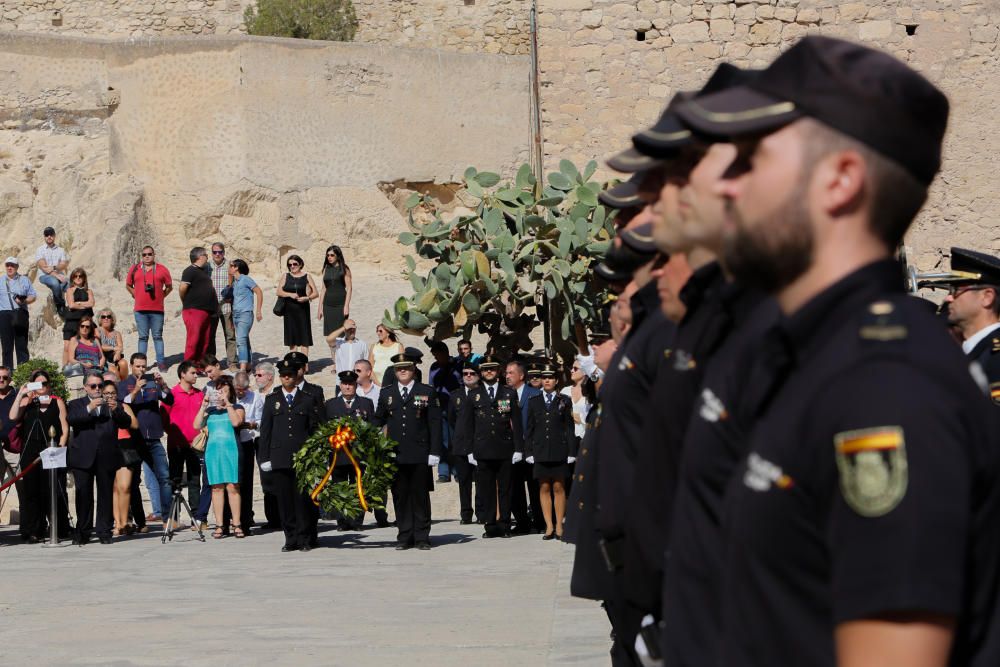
[5, 377]
[147, 254]
[218, 252]
[105, 317]
[470, 373]
[93, 386]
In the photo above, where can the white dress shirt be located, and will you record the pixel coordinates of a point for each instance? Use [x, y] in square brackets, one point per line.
[970, 343]
[253, 407]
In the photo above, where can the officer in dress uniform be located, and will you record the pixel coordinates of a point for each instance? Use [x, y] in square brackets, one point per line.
[550, 446]
[973, 304]
[290, 416]
[860, 526]
[491, 424]
[410, 412]
[348, 404]
[464, 470]
[302, 362]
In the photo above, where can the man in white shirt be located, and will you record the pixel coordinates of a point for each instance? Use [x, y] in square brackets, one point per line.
[366, 385]
[52, 263]
[249, 432]
[345, 348]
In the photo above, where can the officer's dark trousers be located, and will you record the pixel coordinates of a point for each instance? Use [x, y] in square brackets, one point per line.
[271, 513]
[411, 498]
[492, 488]
[464, 474]
[296, 509]
[626, 619]
[103, 476]
[524, 495]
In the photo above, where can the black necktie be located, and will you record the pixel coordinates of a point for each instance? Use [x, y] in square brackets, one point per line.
[406, 393]
[491, 392]
[348, 403]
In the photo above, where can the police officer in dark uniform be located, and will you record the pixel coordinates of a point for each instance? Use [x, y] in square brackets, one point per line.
[290, 416]
[464, 470]
[973, 304]
[550, 446]
[410, 412]
[490, 422]
[348, 404]
[710, 308]
[302, 362]
[861, 524]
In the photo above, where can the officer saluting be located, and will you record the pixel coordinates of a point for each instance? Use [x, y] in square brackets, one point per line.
[348, 404]
[409, 410]
[290, 416]
[550, 445]
[490, 423]
[861, 526]
[973, 303]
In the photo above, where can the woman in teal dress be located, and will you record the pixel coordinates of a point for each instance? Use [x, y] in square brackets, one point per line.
[222, 455]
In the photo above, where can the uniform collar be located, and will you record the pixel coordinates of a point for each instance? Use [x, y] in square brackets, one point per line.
[703, 280]
[407, 387]
[835, 303]
[970, 343]
[646, 300]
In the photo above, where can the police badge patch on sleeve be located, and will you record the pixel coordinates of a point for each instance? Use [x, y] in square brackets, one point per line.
[873, 469]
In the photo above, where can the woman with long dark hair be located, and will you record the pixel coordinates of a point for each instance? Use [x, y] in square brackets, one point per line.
[335, 293]
[79, 303]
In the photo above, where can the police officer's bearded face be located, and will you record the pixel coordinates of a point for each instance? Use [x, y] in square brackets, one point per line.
[490, 375]
[970, 308]
[470, 378]
[348, 389]
[666, 208]
[404, 374]
[701, 207]
[768, 237]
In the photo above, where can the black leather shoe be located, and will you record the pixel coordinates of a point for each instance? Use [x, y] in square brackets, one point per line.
[289, 547]
[105, 540]
[465, 522]
[505, 534]
[403, 547]
[80, 540]
[305, 547]
[424, 546]
[488, 535]
[550, 536]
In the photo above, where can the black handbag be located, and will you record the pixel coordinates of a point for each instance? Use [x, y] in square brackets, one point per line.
[129, 456]
[279, 307]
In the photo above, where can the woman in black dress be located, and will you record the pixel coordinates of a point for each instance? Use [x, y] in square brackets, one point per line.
[36, 411]
[335, 295]
[79, 303]
[298, 290]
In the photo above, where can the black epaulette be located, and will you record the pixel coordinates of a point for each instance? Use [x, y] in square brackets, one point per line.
[882, 322]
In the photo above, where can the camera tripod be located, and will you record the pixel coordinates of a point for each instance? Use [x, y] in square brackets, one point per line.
[174, 514]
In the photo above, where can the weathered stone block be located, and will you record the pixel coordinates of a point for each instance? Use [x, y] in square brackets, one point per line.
[853, 11]
[686, 33]
[873, 30]
[721, 28]
[807, 15]
[592, 18]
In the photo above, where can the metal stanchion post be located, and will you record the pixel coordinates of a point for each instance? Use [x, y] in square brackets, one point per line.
[53, 497]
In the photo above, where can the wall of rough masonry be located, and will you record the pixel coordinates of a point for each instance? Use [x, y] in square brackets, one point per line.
[490, 26]
[609, 67]
[124, 17]
[468, 26]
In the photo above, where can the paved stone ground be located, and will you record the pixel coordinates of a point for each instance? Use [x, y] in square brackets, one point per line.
[353, 601]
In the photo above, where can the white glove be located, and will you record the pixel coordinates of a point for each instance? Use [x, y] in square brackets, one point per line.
[472, 460]
[587, 364]
[265, 466]
[531, 460]
[517, 458]
[640, 646]
[570, 459]
[433, 460]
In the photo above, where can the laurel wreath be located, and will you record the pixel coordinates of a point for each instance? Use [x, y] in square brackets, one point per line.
[374, 451]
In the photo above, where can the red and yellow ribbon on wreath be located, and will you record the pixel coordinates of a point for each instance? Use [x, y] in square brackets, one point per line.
[340, 442]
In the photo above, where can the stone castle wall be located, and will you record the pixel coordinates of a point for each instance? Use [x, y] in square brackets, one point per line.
[124, 17]
[468, 26]
[600, 82]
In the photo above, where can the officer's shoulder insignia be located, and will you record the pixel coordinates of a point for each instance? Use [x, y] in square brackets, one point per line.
[476, 397]
[882, 322]
[995, 392]
[625, 364]
[683, 361]
[388, 400]
[873, 469]
[667, 352]
[996, 345]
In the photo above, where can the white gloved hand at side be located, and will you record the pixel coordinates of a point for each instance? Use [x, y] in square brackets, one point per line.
[433, 460]
[472, 460]
[517, 458]
[265, 466]
[570, 459]
[531, 460]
